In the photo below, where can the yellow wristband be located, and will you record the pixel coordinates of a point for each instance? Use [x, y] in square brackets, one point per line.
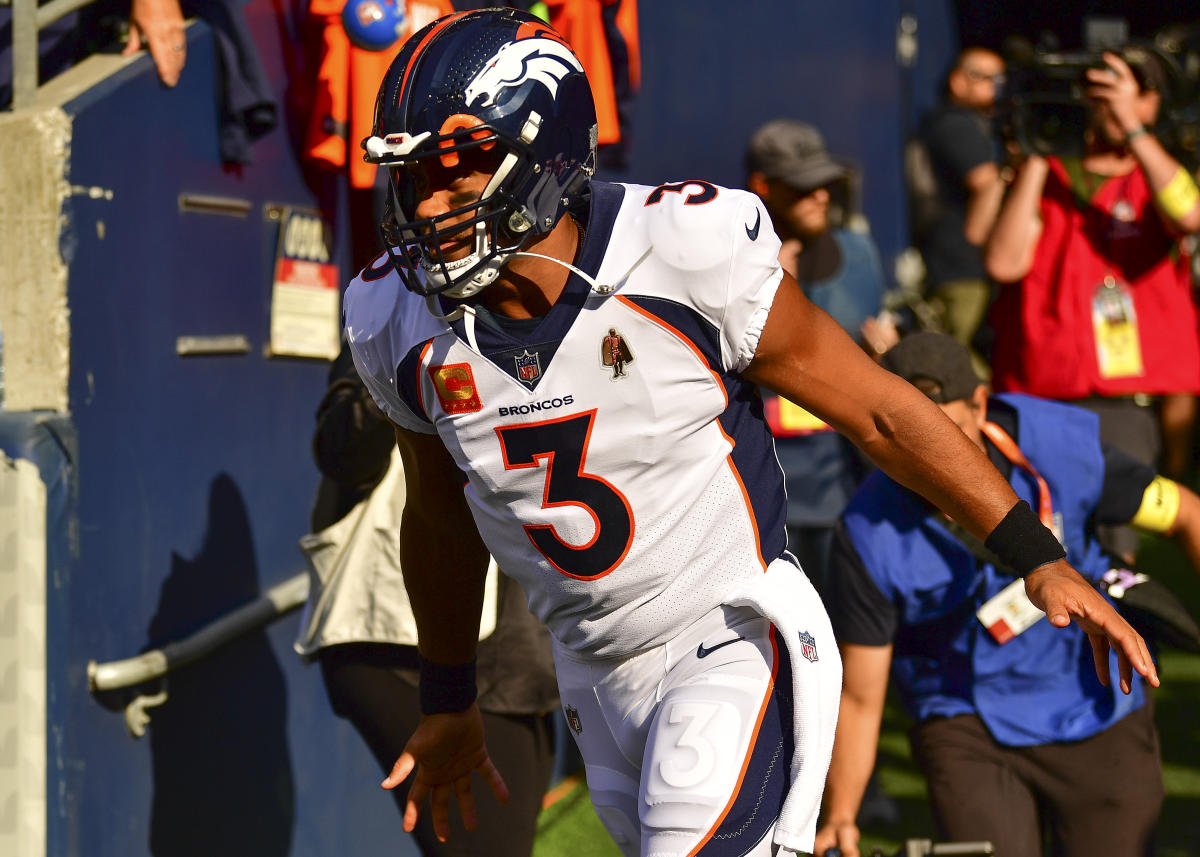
[1160, 506]
[1180, 195]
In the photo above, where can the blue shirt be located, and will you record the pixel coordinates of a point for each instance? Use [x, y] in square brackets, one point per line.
[1039, 687]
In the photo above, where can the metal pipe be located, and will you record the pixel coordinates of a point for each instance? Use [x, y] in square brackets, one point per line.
[199, 203]
[272, 604]
[24, 53]
[55, 9]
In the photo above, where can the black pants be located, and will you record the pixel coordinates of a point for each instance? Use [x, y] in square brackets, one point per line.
[385, 710]
[1100, 796]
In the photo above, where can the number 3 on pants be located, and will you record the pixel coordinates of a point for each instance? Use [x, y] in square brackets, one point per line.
[686, 770]
[695, 744]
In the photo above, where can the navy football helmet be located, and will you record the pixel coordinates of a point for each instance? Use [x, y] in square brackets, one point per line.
[496, 80]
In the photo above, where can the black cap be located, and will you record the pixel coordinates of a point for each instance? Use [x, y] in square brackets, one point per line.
[794, 153]
[939, 365]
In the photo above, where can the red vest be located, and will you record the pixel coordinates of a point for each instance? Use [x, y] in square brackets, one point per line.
[1044, 325]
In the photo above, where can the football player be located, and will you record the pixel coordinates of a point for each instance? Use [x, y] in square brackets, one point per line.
[643, 512]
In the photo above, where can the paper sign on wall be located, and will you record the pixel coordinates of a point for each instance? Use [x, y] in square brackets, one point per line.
[305, 301]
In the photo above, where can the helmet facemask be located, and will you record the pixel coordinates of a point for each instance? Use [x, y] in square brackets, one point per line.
[498, 226]
[495, 80]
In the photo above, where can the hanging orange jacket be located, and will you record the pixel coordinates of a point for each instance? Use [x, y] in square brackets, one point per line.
[581, 23]
[621, 30]
[342, 101]
[347, 81]
[627, 25]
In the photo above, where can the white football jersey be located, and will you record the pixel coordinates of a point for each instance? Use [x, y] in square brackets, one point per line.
[617, 464]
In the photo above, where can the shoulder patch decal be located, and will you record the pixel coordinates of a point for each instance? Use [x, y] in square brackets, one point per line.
[455, 386]
[615, 353]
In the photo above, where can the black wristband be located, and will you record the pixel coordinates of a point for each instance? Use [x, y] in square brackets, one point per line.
[446, 690]
[1022, 542]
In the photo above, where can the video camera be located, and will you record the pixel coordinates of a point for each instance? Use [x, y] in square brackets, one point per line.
[1043, 105]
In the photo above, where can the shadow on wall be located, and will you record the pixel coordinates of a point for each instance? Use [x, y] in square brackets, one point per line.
[222, 776]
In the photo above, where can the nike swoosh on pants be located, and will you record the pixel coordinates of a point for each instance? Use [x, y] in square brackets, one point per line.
[702, 652]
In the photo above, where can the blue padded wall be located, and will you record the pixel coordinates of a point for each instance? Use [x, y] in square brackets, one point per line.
[713, 72]
[195, 479]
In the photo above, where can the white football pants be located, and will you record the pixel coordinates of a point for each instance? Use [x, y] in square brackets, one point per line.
[688, 746]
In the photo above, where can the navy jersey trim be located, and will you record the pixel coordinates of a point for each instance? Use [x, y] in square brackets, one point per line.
[408, 380]
[743, 422]
[764, 784]
[699, 331]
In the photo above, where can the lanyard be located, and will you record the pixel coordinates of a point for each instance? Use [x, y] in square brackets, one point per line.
[1009, 449]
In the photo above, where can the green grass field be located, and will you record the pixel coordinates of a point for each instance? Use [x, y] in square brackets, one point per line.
[570, 827]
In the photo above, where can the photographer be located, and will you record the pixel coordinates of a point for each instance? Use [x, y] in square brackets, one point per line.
[1095, 304]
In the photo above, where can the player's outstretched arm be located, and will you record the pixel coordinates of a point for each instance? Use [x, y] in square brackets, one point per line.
[444, 560]
[804, 354]
[445, 565]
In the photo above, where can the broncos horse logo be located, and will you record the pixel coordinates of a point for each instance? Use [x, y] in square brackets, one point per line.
[537, 53]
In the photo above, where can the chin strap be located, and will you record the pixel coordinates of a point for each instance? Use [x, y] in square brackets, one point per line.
[467, 312]
[598, 288]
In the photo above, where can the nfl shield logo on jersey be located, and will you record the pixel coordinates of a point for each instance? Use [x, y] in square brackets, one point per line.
[529, 367]
[573, 719]
[808, 646]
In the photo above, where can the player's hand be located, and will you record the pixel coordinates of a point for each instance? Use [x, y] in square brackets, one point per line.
[842, 838]
[158, 23]
[1063, 594]
[445, 749]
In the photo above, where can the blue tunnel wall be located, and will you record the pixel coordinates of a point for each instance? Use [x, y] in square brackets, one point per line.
[194, 479]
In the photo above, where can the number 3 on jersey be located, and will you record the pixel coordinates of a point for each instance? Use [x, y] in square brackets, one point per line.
[561, 445]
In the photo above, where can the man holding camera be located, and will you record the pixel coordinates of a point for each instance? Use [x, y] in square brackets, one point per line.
[1095, 305]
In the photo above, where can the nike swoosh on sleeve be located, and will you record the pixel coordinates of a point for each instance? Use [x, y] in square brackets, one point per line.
[752, 232]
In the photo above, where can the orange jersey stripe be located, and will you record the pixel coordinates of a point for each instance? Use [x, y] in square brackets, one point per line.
[762, 711]
[682, 338]
[421, 362]
[746, 498]
[732, 467]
